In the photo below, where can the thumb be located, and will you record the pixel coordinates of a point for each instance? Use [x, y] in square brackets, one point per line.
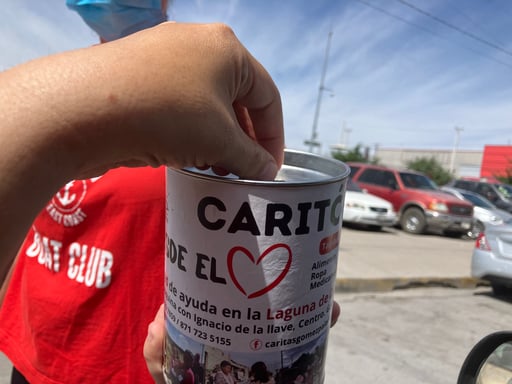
[154, 346]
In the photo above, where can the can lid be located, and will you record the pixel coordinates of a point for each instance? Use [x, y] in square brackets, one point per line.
[299, 168]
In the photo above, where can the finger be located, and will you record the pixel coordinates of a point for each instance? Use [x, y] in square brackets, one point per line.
[262, 115]
[263, 103]
[248, 159]
[154, 346]
[336, 310]
[242, 115]
[244, 120]
[220, 171]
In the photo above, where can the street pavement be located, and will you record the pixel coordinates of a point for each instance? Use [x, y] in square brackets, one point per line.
[384, 262]
[411, 336]
[392, 259]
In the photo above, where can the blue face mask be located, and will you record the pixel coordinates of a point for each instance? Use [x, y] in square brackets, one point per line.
[112, 19]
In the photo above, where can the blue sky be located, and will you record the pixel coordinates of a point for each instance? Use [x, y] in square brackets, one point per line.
[400, 73]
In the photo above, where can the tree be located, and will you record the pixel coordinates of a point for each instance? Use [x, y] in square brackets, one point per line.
[432, 168]
[357, 154]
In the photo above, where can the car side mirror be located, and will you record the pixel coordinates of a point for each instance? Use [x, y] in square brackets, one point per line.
[490, 361]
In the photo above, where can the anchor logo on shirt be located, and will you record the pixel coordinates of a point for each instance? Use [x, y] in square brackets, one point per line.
[65, 207]
[66, 198]
[69, 198]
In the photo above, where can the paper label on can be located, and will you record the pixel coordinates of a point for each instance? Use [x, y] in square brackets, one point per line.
[250, 269]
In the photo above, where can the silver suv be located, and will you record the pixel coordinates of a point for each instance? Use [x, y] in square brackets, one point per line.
[498, 194]
[484, 212]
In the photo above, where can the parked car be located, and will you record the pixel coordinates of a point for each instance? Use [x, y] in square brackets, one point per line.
[364, 208]
[419, 203]
[492, 257]
[485, 213]
[496, 193]
[508, 189]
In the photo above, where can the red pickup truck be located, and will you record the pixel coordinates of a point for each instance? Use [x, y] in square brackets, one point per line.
[420, 204]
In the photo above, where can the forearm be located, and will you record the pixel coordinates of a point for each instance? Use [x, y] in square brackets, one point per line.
[57, 124]
[30, 166]
[61, 118]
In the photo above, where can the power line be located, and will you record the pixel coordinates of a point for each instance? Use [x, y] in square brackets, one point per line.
[454, 27]
[399, 18]
[477, 24]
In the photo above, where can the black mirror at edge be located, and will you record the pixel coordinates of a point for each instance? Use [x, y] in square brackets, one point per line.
[490, 361]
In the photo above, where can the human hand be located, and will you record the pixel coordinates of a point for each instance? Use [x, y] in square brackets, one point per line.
[221, 88]
[154, 343]
[175, 95]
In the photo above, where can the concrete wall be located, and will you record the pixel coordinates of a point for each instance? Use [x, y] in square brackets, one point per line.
[465, 162]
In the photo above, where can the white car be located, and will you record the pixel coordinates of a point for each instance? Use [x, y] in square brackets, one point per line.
[364, 208]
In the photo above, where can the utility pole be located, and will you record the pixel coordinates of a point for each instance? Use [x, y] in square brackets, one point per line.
[455, 148]
[313, 142]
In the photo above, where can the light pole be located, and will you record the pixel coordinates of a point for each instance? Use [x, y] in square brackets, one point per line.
[455, 148]
[313, 142]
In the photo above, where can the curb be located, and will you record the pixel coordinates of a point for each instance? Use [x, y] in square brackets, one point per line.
[351, 285]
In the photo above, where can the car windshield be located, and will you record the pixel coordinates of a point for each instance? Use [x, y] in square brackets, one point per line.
[478, 201]
[506, 190]
[353, 186]
[417, 181]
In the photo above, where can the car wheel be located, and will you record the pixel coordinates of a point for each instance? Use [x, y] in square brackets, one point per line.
[477, 229]
[413, 221]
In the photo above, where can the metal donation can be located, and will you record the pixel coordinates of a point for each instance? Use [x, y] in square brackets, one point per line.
[250, 271]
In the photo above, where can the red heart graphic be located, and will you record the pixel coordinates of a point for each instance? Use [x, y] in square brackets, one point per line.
[270, 286]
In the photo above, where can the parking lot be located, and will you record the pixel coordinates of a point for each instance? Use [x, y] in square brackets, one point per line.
[394, 254]
[411, 336]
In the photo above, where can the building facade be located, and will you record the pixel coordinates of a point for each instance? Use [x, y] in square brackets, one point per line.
[463, 162]
[497, 161]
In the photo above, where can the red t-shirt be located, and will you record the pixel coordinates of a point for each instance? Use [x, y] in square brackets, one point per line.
[88, 281]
